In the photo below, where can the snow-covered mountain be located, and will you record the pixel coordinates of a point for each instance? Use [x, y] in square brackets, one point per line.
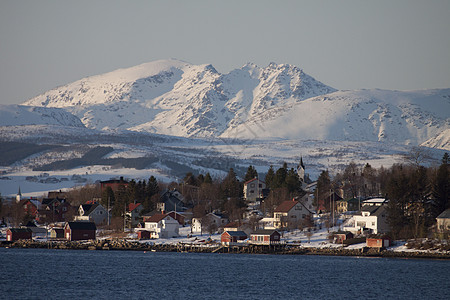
[367, 115]
[18, 115]
[279, 101]
[177, 98]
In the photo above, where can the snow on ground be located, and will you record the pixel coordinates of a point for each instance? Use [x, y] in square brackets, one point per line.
[66, 179]
[319, 239]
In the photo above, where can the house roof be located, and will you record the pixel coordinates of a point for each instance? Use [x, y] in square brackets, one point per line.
[236, 233]
[375, 200]
[219, 215]
[17, 230]
[370, 209]
[286, 206]
[50, 201]
[133, 206]
[172, 201]
[264, 232]
[343, 232]
[380, 211]
[445, 214]
[247, 182]
[82, 225]
[157, 218]
[232, 225]
[89, 208]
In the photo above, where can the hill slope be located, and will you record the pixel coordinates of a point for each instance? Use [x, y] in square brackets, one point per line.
[18, 115]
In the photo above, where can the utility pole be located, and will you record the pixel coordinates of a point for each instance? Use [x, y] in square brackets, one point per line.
[109, 224]
[125, 217]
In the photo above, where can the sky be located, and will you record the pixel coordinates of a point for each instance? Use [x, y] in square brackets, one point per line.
[386, 44]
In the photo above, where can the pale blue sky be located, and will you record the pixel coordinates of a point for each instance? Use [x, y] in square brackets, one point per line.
[402, 45]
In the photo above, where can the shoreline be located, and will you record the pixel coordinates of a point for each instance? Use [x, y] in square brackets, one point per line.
[122, 245]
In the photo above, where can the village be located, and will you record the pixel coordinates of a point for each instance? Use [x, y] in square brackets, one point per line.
[304, 221]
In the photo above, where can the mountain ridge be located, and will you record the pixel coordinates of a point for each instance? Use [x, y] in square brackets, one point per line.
[176, 98]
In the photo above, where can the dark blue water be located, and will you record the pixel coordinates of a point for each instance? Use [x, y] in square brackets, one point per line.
[71, 274]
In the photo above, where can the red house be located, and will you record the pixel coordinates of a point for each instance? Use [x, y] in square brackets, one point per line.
[378, 241]
[77, 231]
[14, 234]
[30, 207]
[265, 237]
[231, 237]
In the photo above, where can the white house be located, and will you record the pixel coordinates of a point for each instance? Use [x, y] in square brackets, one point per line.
[253, 189]
[372, 217]
[92, 212]
[162, 226]
[290, 214]
[443, 221]
[216, 220]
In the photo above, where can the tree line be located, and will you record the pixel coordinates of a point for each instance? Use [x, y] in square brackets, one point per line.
[416, 194]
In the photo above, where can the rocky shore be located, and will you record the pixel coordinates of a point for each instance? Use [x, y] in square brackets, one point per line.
[120, 244]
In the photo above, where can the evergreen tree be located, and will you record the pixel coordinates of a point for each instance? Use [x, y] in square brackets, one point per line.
[152, 187]
[120, 196]
[108, 198]
[190, 179]
[445, 159]
[251, 173]
[151, 192]
[208, 179]
[441, 187]
[280, 177]
[293, 183]
[270, 177]
[200, 179]
[230, 185]
[131, 192]
[398, 195]
[323, 191]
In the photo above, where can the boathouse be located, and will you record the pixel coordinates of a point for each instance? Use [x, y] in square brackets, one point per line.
[77, 231]
[378, 241]
[14, 234]
[229, 238]
[265, 237]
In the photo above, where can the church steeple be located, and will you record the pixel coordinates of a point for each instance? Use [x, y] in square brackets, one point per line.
[18, 196]
[301, 170]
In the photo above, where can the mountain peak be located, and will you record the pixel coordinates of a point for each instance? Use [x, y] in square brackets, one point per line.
[176, 98]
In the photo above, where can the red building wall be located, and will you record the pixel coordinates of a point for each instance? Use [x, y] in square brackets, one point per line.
[79, 235]
[14, 236]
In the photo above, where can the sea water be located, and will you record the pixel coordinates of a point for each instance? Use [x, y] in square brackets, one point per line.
[80, 274]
